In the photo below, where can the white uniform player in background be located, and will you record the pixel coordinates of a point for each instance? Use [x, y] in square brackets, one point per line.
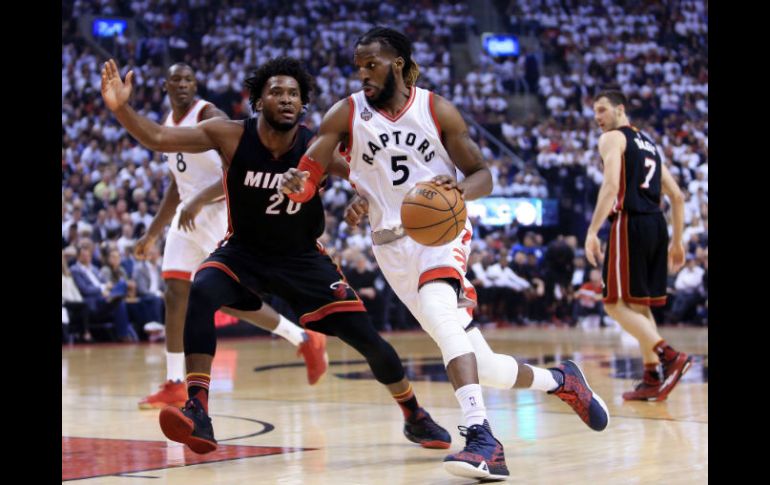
[194, 203]
[397, 135]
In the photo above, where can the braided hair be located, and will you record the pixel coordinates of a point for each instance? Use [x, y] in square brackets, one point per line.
[397, 42]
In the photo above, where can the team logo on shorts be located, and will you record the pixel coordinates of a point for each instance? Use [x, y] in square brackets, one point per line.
[366, 115]
[340, 289]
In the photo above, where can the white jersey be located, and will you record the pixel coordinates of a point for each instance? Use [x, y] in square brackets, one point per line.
[192, 171]
[389, 155]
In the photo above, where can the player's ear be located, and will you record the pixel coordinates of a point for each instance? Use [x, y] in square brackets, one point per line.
[258, 105]
[399, 62]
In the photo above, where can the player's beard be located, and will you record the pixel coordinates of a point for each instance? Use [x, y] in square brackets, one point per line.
[388, 90]
[279, 125]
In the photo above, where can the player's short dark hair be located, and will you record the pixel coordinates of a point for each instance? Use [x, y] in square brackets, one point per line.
[613, 94]
[181, 65]
[397, 42]
[280, 66]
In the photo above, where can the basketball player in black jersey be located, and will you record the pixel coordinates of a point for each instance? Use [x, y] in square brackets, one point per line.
[182, 89]
[638, 251]
[270, 245]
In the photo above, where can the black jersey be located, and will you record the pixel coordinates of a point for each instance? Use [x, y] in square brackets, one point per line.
[640, 174]
[260, 216]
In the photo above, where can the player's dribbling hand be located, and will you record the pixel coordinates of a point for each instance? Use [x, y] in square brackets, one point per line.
[293, 181]
[114, 92]
[356, 210]
[593, 249]
[143, 245]
[447, 182]
[675, 257]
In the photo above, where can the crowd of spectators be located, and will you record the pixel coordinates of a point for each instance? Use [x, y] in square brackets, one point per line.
[112, 187]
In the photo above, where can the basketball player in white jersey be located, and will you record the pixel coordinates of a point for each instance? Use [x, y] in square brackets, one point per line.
[194, 205]
[397, 135]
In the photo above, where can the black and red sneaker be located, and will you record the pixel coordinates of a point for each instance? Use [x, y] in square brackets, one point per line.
[426, 432]
[482, 458]
[190, 425]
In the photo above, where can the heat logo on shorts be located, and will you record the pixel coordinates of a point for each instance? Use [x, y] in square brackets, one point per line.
[340, 289]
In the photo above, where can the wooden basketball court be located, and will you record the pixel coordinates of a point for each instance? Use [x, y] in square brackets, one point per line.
[275, 429]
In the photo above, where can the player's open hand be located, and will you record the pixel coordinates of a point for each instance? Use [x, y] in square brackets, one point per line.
[594, 250]
[114, 92]
[293, 181]
[447, 182]
[356, 210]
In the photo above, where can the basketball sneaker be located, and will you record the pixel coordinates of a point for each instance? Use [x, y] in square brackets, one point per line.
[171, 393]
[313, 350]
[482, 458]
[673, 370]
[190, 425]
[426, 432]
[647, 390]
[576, 392]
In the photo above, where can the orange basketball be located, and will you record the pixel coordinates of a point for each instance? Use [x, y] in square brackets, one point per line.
[433, 215]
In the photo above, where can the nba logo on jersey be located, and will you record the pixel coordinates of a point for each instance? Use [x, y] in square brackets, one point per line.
[366, 115]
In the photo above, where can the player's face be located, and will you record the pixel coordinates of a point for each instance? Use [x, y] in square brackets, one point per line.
[281, 102]
[181, 85]
[375, 69]
[606, 115]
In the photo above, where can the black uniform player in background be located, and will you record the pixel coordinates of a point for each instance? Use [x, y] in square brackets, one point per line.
[635, 269]
[270, 246]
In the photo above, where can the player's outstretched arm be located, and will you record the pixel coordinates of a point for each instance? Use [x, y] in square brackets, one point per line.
[205, 136]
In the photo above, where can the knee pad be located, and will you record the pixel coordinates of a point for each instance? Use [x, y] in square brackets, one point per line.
[495, 370]
[439, 317]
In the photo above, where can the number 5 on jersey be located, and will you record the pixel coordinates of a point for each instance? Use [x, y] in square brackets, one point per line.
[399, 168]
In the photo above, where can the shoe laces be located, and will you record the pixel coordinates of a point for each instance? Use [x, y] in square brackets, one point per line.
[473, 442]
[194, 406]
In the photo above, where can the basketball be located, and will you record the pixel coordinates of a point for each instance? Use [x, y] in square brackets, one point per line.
[433, 215]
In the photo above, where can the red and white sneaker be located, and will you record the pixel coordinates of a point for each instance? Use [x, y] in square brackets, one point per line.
[673, 370]
[171, 393]
[313, 351]
[647, 390]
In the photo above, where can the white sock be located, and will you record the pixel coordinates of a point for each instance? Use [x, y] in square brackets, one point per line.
[175, 366]
[472, 403]
[289, 331]
[543, 380]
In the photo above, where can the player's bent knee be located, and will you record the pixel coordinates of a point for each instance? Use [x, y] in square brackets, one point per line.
[495, 370]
